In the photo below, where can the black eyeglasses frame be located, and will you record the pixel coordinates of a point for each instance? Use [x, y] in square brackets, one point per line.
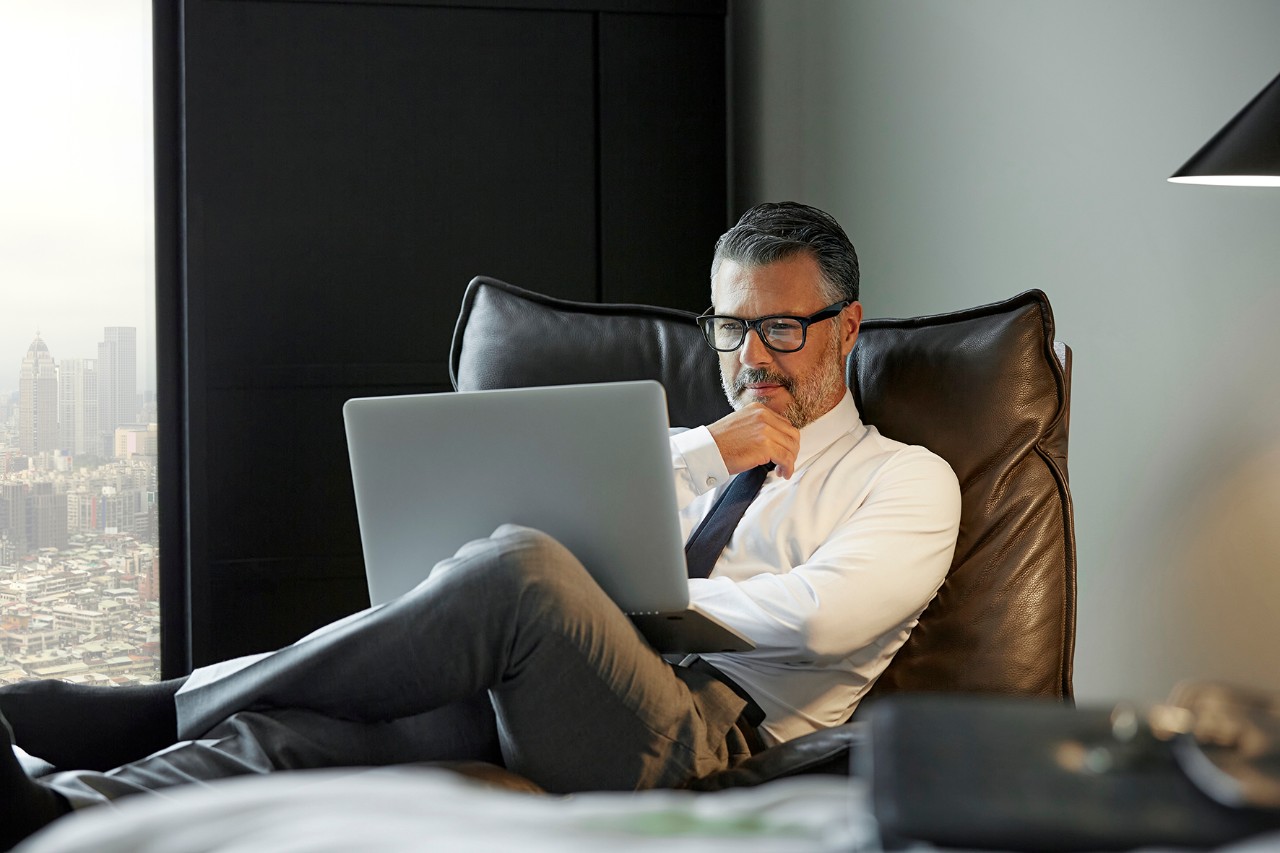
[705, 320]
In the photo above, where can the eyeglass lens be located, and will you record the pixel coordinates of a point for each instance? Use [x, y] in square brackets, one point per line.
[779, 333]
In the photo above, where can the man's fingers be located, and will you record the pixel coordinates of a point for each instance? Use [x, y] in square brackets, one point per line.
[785, 460]
[780, 448]
[784, 468]
[756, 435]
[783, 441]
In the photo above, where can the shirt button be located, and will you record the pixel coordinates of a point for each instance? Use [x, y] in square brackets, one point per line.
[711, 481]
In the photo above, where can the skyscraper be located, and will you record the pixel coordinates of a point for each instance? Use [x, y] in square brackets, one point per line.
[13, 515]
[37, 401]
[78, 405]
[117, 383]
[46, 517]
[33, 516]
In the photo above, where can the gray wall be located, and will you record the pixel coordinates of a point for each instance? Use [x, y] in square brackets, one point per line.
[976, 149]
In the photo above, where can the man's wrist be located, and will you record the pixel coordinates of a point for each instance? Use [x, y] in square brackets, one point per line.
[702, 458]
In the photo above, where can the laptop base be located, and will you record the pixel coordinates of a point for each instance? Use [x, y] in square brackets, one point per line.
[688, 632]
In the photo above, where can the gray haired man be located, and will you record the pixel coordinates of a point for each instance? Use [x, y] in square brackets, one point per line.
[509, 652]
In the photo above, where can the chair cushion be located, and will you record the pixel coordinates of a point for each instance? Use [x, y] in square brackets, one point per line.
[507, 337]
[982, 388]
[985, 390]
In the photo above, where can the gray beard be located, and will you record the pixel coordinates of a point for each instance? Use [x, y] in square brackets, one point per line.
[808, 396]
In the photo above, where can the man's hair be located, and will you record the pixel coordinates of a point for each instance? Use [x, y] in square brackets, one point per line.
[775, 231]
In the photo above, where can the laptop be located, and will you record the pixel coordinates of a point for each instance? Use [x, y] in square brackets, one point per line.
[588, 464]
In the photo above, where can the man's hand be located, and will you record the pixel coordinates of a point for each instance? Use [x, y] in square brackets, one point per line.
[755, 435]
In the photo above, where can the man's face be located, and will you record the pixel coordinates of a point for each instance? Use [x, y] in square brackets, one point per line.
[803, 385]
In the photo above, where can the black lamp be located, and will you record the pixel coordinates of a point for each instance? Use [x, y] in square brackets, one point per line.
[1246, 152]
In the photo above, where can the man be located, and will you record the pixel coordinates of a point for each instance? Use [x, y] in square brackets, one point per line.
[510, 652]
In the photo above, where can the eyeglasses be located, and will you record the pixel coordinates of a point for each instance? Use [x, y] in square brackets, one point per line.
[779, 332]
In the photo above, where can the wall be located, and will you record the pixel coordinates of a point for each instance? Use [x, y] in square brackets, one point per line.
[976, 149]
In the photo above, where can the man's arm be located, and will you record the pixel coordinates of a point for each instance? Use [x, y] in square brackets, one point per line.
[877, 570]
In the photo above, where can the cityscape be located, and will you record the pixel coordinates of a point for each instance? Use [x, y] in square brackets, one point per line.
[79, 563]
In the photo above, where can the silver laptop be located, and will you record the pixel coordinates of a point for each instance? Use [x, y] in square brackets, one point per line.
[588, 464]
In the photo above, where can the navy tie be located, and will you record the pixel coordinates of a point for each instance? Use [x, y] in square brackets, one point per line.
[704, 546]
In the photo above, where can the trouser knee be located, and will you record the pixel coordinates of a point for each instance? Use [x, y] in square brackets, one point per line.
[515, 563]
[531, 561]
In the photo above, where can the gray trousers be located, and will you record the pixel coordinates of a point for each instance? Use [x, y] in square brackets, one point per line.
[508, 651]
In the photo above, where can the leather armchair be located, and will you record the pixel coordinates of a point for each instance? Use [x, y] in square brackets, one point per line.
[987, 389]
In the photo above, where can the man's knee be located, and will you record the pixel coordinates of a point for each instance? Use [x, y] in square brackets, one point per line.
[517, 560]
[529, 558]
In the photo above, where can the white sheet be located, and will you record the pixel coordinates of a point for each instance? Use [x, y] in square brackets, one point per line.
[413, 809]
[406, 808]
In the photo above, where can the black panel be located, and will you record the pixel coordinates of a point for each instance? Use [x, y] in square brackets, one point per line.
[345, 169]
[280, 501]
[171, 389]
[279, 484]
[663, 194]
[660, 7]
[354, 166]
[263, 605]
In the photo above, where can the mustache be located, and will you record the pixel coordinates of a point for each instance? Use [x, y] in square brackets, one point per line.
[753, 375]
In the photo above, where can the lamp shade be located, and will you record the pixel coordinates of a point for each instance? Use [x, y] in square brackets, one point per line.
[1246, 152]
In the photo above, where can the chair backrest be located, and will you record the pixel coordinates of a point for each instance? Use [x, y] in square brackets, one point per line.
[987, 389]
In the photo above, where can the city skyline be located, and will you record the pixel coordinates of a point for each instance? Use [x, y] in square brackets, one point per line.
[12, 353]
[74, 405]
[76, 183]
[79, 571]
[79, 558]
[93, 353]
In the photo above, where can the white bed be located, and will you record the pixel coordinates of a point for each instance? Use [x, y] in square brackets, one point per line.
[408, 808]
[420, 808]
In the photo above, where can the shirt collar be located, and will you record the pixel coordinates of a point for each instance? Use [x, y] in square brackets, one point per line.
[822, 433]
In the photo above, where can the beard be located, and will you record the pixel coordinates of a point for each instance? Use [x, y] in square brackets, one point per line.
[809, 394]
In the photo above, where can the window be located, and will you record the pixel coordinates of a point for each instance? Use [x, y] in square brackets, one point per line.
[79, 565]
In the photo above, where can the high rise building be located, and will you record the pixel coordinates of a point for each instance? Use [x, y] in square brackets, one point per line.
[13, 515]
[37, 401]
[117, 383]
[33, 516]
[135, 440]
[78, 405]
[46, 517]
[83, 507]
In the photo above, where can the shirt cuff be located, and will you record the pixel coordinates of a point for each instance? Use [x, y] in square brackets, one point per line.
[701, 458]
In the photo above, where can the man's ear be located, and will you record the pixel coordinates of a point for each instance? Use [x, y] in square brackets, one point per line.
[850, 323]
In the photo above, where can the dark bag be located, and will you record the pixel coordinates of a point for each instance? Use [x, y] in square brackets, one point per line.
[1014, 774]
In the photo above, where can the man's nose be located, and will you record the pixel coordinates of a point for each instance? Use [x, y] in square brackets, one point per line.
[753, 352]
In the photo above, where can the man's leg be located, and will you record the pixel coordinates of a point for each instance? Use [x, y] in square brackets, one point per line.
[91, 727]
[582, 701]
[27, 805]
[252, 742]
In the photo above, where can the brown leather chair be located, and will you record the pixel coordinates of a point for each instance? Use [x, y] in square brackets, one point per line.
[987, 389]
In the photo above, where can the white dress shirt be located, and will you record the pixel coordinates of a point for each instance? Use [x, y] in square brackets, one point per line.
[827, 572]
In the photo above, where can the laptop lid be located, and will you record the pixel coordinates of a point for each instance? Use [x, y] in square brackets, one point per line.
[588, 464]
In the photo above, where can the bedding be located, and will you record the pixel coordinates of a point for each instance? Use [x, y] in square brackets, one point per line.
[422, 808]
[410, 808]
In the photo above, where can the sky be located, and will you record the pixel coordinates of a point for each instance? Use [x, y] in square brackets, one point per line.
[76, 188]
